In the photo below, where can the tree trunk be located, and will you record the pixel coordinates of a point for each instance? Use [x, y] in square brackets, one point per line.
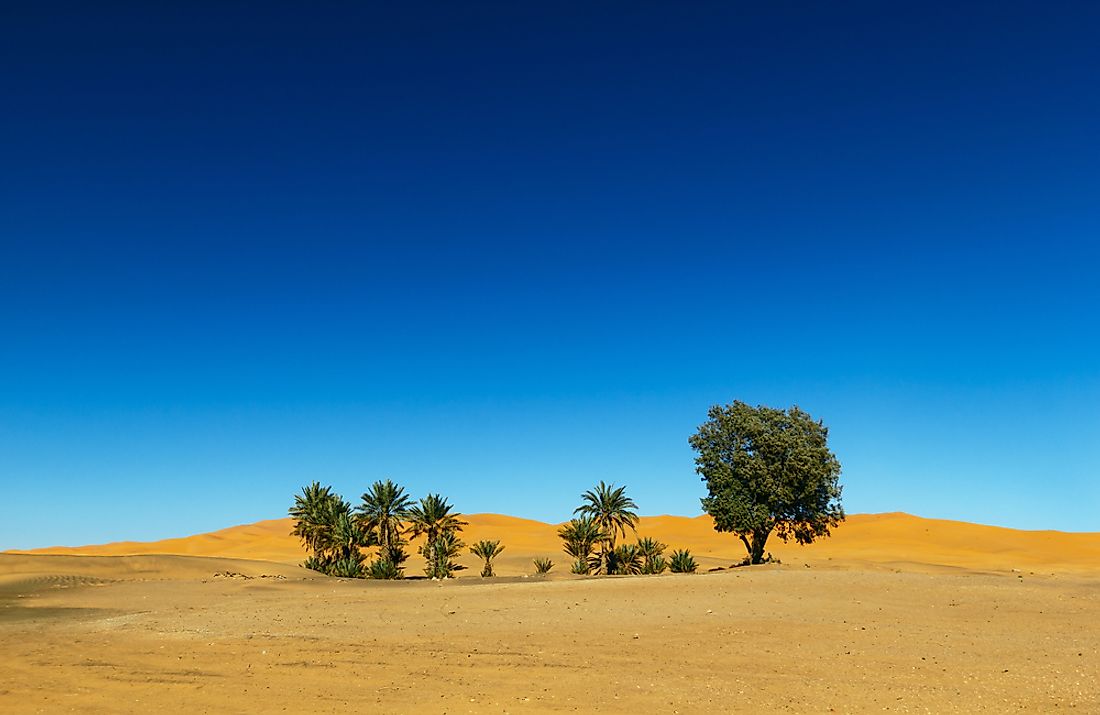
[759, 538]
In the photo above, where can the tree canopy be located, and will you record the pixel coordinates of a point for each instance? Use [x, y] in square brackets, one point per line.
[766, 470]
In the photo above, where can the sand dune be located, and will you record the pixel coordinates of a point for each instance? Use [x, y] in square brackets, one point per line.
[887, 540]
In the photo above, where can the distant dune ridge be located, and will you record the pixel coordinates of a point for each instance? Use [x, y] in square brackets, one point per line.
[892, 539]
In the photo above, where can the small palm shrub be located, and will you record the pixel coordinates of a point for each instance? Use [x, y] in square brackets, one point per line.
[624, 560]
[487, 551]
[316, 563]
[383, 569]
[580, 537]
[350, 566]
[682, 562]
[543, 565]
[651, 550]
[395, 555]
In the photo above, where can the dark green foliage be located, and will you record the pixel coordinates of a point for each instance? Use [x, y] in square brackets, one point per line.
[395, 555]
[383, 569]
[440, 554]
[651, 552]
[350, 566]
[314, 563]
[681, 561]
[382, 512]
[612, 511]
[767, 470]
[314, 513]
[543, 565]
[487, 551]
[347, 536]
[328, 529]
[580, 537]
[624, 560]
[433, 519]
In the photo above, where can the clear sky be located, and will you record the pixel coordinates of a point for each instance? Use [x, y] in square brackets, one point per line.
[502, 251]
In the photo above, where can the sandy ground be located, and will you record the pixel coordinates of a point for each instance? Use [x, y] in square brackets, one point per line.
[855, 626]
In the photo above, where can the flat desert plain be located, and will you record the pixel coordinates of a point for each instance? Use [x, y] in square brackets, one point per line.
[893, 613]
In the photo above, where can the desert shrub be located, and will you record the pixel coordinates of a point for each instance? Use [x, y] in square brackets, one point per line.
[350, 566]
[543, 565]
[651, 550]
[316, 563]
[394, 555]
[624, 560]
[383, 569]
[682, 562]
[580, 537]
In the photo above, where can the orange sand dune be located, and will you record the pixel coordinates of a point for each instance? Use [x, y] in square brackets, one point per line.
[894, 539]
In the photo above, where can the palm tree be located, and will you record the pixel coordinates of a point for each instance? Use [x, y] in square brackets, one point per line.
[624, 560]
[580, 537]
[383, 509]
[432, 519]
[440, 554]
[313, 512]
[611, 509]
[682, 562]
[325, 524]
[652, 552]
[487, 550]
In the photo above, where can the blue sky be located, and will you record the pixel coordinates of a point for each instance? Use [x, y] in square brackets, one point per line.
[503, 252]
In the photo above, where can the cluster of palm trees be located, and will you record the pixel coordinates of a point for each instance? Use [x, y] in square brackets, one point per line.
[335, 534]
[591, 537]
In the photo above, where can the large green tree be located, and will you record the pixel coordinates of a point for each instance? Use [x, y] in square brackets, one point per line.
[767, 470]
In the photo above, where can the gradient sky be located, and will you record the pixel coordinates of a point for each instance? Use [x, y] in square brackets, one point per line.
[503, 251]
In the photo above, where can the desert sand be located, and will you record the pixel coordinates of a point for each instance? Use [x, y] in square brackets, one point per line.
[892, 613]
